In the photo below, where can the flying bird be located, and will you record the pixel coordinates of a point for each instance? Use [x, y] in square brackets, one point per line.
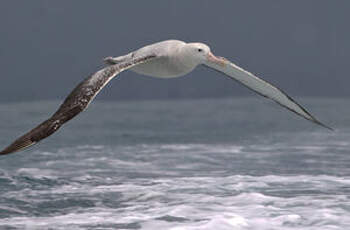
[166, 59]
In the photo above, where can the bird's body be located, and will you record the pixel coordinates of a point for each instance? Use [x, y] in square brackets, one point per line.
[166, 59]
[171, 62]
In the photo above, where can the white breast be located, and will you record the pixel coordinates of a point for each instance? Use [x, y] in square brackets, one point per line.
[162, 68]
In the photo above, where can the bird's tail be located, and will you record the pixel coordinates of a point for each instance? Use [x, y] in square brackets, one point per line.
[116, 60]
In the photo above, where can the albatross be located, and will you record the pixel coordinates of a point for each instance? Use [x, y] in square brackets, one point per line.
[166, 59]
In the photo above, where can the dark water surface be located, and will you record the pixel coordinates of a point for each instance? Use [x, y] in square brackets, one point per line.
[195, 164]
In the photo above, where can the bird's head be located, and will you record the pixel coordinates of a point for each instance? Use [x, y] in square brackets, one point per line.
[200, 54]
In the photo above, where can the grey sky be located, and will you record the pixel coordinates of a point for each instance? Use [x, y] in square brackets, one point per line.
[47, 47]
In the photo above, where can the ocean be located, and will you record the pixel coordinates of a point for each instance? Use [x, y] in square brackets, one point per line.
[233, 163]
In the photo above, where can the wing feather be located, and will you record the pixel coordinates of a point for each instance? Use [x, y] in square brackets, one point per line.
[76, 102]
[263, 88]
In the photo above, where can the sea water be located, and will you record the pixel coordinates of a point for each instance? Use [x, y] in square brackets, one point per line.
[234, 163]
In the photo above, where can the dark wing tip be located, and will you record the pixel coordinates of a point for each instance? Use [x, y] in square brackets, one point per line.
[323, 125]
[310, 118]
[20, 144]
[40, 132]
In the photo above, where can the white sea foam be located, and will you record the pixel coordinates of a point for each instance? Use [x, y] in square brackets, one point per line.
[232, 202]
[182, 186]
[37, 173]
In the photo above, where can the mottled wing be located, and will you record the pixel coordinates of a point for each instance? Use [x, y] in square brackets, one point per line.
[76, 102]
[263, 88]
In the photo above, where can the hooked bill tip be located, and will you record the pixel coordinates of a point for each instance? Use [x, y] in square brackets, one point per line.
[216, 60]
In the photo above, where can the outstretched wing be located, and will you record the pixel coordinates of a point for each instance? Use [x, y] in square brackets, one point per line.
[76, 102]
[263, 88]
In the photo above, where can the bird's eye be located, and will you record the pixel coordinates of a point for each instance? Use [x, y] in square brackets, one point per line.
[200, 50]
